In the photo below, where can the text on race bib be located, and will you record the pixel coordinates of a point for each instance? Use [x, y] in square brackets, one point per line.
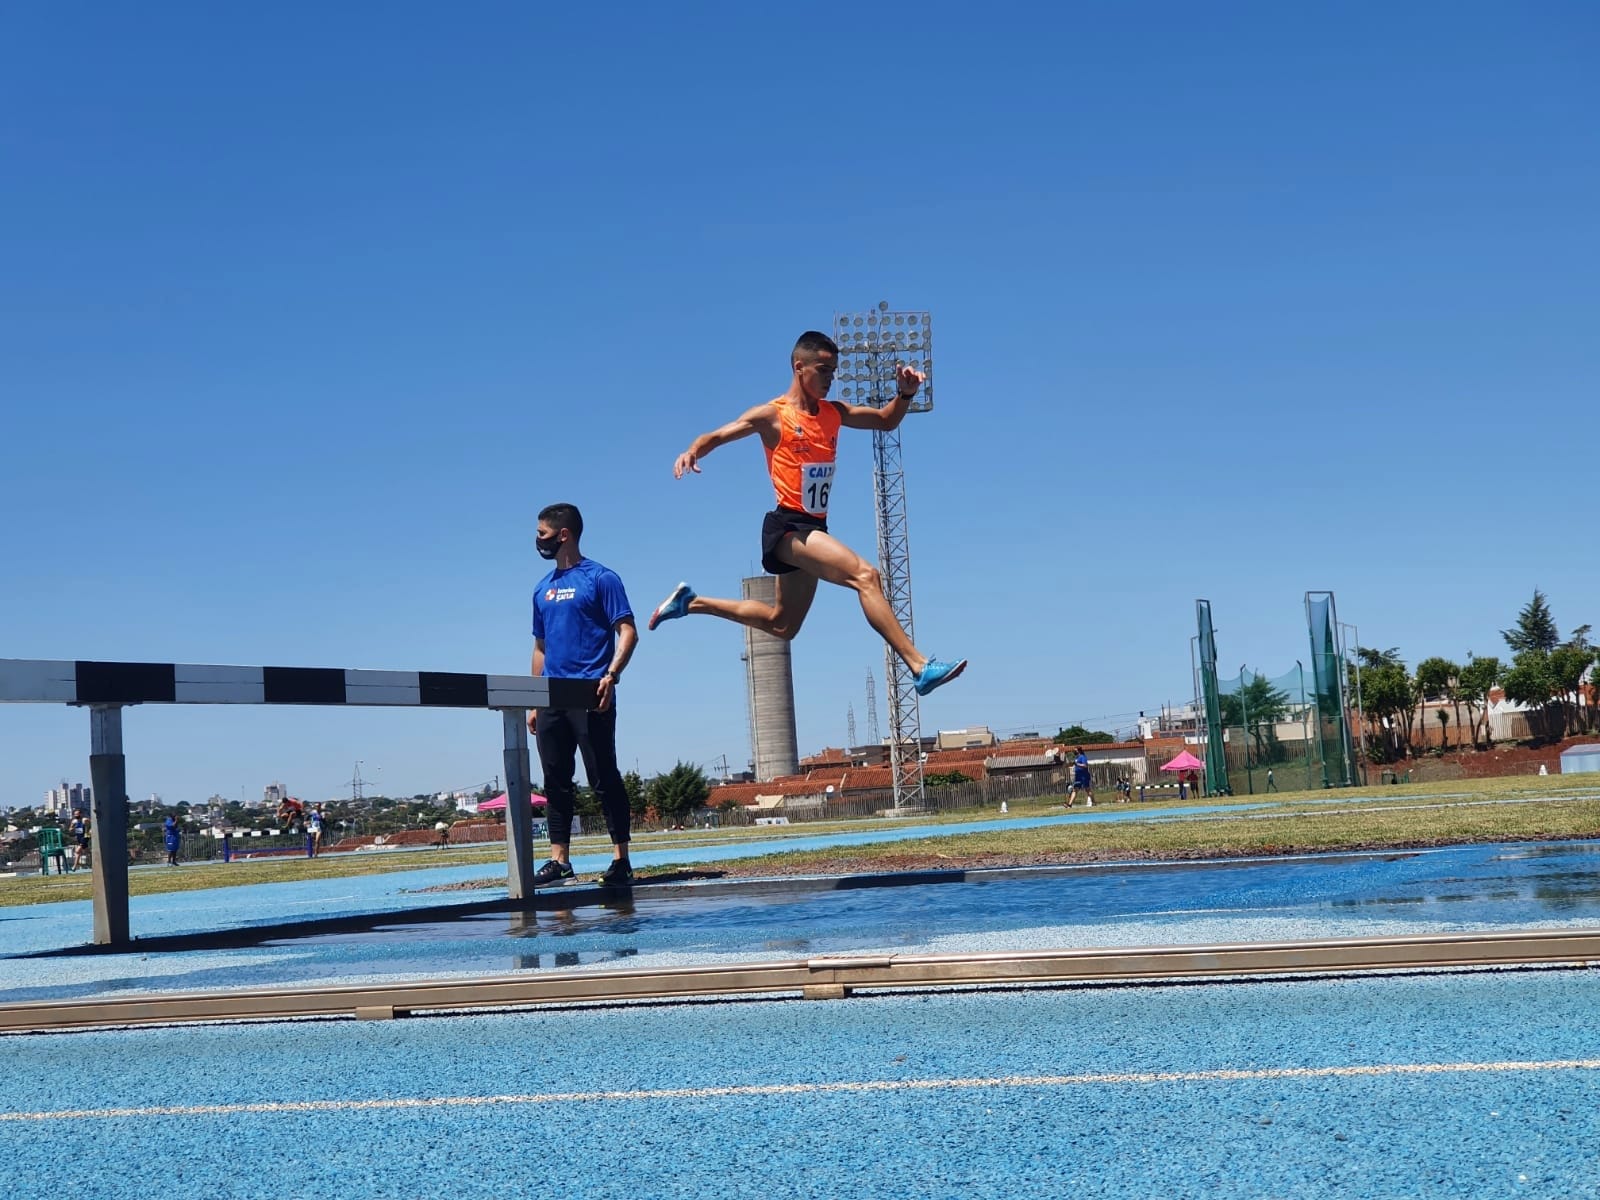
[816, 481]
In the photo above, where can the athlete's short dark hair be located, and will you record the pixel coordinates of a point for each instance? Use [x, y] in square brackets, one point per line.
[812, 343]
[563, 516]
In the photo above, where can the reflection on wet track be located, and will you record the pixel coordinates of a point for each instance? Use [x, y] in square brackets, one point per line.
[1335, 895]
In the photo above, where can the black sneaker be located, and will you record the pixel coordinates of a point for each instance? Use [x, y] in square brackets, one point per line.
[618, 874]
[554, 874]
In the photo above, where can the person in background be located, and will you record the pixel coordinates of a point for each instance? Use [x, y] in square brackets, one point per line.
[80, 840]
[583, 628]
[173, 839]
[1081, 779]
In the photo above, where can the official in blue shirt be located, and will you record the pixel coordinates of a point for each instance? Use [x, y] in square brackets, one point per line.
[1081, 781]
[583, 628]
[173, 838]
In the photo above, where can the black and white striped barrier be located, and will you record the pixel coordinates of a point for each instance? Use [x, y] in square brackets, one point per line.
[38, 681]
[1163, 787]
[106, 688]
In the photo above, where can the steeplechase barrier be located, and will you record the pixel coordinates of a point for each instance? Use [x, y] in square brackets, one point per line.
[106, 688]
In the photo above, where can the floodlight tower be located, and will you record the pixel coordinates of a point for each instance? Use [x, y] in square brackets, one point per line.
[871, 344]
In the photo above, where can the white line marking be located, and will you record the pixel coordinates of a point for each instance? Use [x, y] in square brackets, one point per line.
[811, 1089]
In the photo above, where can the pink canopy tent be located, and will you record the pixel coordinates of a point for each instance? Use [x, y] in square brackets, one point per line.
[1184, 762]
[499, 802]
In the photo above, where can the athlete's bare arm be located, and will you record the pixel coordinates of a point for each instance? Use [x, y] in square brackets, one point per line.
[860, 416]
[761, 420]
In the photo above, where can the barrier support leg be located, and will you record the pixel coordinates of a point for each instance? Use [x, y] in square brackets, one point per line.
[519, 814]
[108, 817]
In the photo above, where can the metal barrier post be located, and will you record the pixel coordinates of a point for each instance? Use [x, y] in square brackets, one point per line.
[519, 811]
[108, 809]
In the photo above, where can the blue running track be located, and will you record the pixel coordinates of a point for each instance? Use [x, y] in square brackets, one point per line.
[1480, 1085]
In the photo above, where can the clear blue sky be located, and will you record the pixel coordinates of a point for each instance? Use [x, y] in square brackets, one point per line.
[305, 310]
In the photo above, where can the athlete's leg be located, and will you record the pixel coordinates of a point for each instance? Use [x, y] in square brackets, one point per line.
[783, 619]
[827, 558]
[557, 742]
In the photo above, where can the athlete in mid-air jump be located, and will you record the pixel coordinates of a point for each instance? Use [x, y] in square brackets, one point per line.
[800, 432]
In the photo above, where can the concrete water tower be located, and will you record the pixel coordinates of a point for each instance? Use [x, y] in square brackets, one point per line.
[769, 677]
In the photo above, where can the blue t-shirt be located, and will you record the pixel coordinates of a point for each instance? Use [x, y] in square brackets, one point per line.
[574, 612]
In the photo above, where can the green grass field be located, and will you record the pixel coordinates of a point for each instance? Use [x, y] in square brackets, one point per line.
[1521, 808]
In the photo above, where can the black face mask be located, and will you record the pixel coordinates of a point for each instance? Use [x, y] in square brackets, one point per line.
[547, 547]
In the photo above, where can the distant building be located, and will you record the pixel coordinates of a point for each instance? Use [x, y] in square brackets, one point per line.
[68, 799]
[978, 737]
[274, 794]
[1185, 721]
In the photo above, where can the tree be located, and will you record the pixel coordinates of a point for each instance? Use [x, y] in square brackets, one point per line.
[1568, 665]
[1477, 679]
[1388, 695]
[1373, 659]
[1438, 679]
[679, 792]
[946, 778]
[1531, 682]
[638, 794]
[1535, 628]
[1077, 735]
[1547, 681]
[586, 804]
[1263, 706]
[1389, 698]
[1444, 728]
[1579, 641]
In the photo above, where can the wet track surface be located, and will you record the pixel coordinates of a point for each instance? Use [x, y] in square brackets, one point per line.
[1459, 889]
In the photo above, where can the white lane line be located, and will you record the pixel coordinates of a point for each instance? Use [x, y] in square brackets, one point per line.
[810, 1089]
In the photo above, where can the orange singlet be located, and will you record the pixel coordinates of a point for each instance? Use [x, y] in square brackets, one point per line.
[801, 464]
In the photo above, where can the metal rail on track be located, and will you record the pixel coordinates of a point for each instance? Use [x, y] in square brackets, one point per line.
[823, 978]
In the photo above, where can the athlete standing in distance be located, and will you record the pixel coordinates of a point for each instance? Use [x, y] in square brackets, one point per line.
[800, 433]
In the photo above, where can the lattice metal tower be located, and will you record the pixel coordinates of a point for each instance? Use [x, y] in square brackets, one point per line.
[870, 346]
[874, 734]
[850, 727]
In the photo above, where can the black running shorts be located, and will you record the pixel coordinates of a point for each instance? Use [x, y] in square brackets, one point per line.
[779, 523]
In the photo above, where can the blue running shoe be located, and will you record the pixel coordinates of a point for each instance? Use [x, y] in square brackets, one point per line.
[937, 674]
[673, 607]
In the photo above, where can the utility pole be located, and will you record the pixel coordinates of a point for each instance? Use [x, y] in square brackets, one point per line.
[873, 735]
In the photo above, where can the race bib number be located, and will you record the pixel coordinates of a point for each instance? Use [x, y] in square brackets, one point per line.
[816, 481]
